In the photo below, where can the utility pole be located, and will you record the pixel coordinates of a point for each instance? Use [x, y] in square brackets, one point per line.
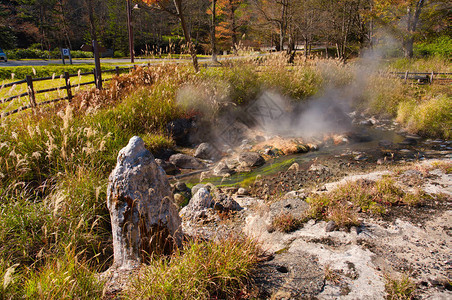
[130, 29]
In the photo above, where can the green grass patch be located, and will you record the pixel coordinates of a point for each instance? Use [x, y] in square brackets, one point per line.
[399, 288]
[65, 277]
[201, 270]
[431, 117]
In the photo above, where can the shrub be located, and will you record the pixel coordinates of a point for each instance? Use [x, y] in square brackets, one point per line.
[441, 46]
[119, 54]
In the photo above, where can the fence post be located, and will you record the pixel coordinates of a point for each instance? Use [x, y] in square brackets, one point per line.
[95, 77]
[98, 70]
[406, 76]
[117, 71]
[68, 86]
[30, 90]
[431, 77]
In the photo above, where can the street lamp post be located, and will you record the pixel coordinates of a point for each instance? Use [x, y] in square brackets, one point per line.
[130, 29]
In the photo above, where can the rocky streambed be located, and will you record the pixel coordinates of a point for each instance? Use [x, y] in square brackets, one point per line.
[319, 260]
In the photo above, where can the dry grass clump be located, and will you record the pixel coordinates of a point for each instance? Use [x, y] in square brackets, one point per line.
[286, 223]
[399, 288]
[201, 270]
[343, 204]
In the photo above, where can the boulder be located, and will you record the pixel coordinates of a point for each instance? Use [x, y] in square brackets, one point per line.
[184, 161]
[251, 159]
[198, 205]
[207, 151]
[144, 218]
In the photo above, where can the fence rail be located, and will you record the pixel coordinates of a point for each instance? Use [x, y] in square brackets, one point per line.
[424, 77]
[32, 92]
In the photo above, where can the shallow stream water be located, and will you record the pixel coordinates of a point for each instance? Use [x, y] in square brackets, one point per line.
[379, 142]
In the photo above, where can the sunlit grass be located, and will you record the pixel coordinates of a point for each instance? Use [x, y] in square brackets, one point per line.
[373, 197]
[202, 270]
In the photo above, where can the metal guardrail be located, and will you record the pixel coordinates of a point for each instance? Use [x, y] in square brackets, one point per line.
[31, 92]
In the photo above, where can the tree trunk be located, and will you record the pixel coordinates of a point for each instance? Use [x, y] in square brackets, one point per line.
[408, 47]
[191, 46]
[281, 37]
[233, 27]
[412, 22]
[212, 32]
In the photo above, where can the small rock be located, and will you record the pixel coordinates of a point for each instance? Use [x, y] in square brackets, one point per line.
[366, 123]
[184, 161]
[251, 159]
[201, 201]
[169, 168]
[318, 168]
[295, 167]
[179, 199]
[296, 194]
[206, 151]
[218, 206]
[242, 192]
[385, 143]
[330, 226]
[221, 169]
[269, 152]
[360, 157]
[381, 161]
[228, 203]
[180, 186]
[196, 188]
[409, 142]
[230, 190]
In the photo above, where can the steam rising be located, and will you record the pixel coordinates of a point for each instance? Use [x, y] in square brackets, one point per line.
[274, 114]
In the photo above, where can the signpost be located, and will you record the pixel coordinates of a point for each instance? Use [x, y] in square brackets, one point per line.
[66, 52]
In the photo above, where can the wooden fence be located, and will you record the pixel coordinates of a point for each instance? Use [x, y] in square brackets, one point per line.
[31, 92]
[424, 77]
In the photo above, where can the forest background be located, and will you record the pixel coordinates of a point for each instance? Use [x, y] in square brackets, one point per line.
[344, 26]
